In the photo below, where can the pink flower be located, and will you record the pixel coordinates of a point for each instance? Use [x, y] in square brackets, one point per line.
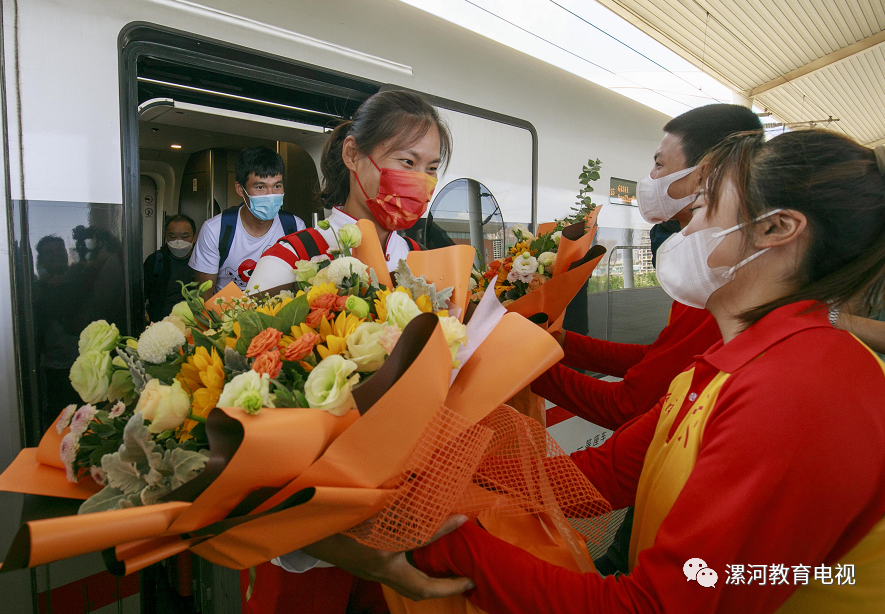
[117, 410]
[99, 475]
[81, 419]
[67, 450]
[65, 419]
[389, 337]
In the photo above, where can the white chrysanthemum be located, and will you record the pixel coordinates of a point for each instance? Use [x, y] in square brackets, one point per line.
[158, 341]
[342, 268]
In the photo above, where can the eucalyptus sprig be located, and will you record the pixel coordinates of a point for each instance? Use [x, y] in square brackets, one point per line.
[584, 205]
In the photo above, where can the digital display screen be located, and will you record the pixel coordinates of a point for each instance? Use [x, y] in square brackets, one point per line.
[622, 192]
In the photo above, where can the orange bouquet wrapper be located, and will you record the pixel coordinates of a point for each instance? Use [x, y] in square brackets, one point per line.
[575, 262]
[445, 267]
[417, 448]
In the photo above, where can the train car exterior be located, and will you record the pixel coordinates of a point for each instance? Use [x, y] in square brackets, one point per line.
[73, 78]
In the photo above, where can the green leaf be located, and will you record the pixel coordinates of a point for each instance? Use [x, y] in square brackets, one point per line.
[108, 498]
[167, 371]
[185, 465]
[201, 340]
[268, 321]
[294, 313]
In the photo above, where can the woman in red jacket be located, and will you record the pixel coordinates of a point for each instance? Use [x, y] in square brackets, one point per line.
[759, 479]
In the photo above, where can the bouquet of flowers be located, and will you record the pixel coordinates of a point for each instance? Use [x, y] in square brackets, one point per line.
[288, 351]
[243, 448]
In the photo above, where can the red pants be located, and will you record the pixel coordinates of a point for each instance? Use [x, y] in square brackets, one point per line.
[318, 591]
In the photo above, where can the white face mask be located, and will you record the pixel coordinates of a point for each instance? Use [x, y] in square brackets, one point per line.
[655, 205]
[179, 248]
[682, 268]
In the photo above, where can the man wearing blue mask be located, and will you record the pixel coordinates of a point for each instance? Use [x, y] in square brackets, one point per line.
[231, 243]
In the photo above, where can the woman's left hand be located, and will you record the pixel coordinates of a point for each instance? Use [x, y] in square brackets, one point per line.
[390, 568]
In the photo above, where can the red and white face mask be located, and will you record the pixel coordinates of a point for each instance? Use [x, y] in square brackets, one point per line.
[402, 197]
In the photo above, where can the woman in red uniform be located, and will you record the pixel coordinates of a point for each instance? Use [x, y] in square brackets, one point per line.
[759, 479]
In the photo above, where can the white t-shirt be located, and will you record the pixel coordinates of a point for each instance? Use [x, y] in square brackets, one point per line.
[276, 270]
[243, 255]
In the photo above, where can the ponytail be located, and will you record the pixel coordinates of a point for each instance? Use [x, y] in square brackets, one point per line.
[336, 176]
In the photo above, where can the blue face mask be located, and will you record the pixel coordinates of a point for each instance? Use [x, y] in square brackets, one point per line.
[266, 206]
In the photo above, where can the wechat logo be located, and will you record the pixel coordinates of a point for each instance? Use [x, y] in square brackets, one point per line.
[696, 569]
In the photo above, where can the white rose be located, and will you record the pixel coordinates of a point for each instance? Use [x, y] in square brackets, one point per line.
[547, 259]
[521, 232]
[249, 391]
[350, 236]
[471, 284]
[98, 337]
[305, 270]
[329, 385]
[364, 349]
[400, 309]
[165, 407]
[557, 236]
[91, 375]
[525, 264]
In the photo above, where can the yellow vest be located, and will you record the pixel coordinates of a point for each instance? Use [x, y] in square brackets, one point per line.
[666, 469]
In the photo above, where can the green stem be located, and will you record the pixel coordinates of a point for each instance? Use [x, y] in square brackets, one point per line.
[196, 418]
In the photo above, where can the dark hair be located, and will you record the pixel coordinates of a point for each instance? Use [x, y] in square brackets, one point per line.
[44, 241]
[832, 180]
[260, 161]
[701, 129]
[181, 217]
[402, 116]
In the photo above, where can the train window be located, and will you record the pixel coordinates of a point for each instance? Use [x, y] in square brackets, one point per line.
[466, 212]
[498, 155]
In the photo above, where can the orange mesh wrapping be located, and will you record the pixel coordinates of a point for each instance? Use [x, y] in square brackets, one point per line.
[504, 465]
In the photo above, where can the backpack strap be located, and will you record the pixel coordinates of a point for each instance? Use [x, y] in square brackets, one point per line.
[226, 237]
[289, 222]
[414, 246]
[302, 245]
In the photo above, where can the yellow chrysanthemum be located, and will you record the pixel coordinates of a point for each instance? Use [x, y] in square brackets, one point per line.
[522, 246]
[203, 376]
[334, 333]
[381, 302]
[274, 307]
[319, 290]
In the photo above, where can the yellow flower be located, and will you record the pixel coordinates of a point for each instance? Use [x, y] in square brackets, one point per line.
[203, 376]
[321, 289]
[335, 333]
[522, 246]
[274, 306]
[381, 302]
[424, 303]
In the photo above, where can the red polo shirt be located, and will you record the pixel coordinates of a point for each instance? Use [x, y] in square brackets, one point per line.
[647, 369]
[790, 471]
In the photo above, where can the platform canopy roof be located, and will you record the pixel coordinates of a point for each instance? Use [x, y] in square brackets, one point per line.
[802, 60]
